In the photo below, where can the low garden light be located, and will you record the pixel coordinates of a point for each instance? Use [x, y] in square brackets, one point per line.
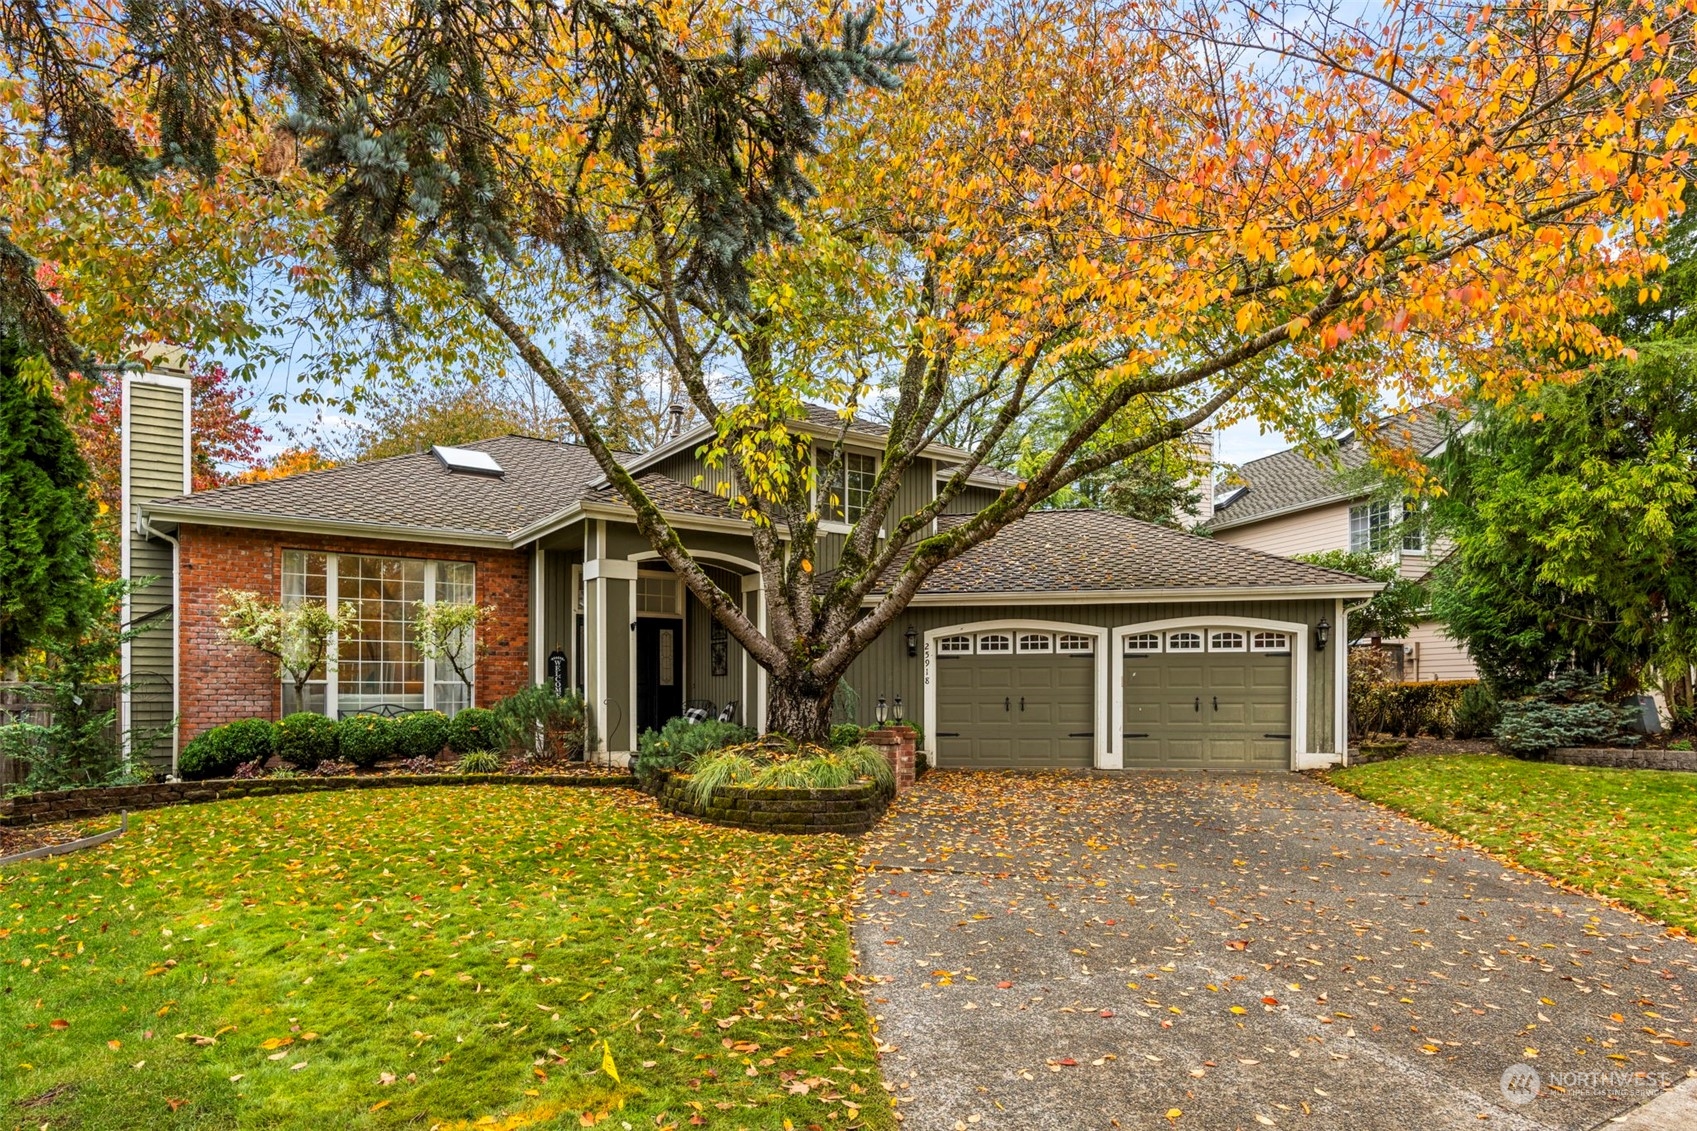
[1322, 633]
[912, 636]
[897, 710]
[882, 711]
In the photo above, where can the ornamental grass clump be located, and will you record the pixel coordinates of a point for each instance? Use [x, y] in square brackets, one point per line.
[782, 764]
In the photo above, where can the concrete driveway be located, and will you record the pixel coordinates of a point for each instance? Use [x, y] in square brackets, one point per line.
[1245, 951]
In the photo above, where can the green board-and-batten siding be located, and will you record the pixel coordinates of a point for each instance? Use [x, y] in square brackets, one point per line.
[886, 669]
[156, 440]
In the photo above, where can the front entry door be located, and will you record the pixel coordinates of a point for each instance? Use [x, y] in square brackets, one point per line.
[659, 671]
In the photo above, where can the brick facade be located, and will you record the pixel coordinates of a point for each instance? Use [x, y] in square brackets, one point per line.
[221, 682]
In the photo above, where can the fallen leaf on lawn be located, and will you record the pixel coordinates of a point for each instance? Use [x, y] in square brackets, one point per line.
[58, 1023]
[378, 1106]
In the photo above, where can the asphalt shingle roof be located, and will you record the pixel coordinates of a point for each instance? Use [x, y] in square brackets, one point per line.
[671, 496]
[1291, 479]
[542, 477]
[1084, 551]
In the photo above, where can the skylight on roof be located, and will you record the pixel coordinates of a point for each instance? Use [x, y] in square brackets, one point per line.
[467, 460]
[1228, 497]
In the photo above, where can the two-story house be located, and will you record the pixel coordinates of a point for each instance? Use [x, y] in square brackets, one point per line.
[1292, 502]
[1073, 638]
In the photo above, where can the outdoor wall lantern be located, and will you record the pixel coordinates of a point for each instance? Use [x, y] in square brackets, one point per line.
[1322, 633]
[898, 710]
[912, 641]
[882, 711]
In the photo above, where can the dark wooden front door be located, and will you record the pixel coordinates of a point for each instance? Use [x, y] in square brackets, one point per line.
[659, 671]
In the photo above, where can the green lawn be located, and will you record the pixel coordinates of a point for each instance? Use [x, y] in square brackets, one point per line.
[434, 957]
[1629, 835]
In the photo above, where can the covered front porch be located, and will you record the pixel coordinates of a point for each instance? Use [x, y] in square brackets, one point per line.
[614, 622]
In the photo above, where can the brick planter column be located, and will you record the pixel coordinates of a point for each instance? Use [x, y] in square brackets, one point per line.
[898, 744]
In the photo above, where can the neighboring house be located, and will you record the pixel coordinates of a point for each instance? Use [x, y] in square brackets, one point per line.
[1073, 638]
[1292, 503]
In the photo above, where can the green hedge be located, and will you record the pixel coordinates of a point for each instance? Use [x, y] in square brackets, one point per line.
[1409, 709]
[217, 752]
[305, 739]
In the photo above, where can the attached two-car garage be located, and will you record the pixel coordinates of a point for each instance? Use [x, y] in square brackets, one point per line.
[1199, 696]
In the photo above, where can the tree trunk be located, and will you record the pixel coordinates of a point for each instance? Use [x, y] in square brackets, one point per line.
[800, 709]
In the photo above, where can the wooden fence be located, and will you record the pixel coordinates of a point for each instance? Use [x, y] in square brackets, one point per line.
[32, 703]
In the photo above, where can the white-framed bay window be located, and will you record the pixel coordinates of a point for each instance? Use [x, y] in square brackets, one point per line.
[380, 665]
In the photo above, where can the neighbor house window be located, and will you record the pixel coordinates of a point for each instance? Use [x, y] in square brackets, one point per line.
[380, 666]
[845, 497]
[1413, 537]
[1370, 527]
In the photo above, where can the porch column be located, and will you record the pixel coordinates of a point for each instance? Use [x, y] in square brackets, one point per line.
[609, 685]
[754, 677]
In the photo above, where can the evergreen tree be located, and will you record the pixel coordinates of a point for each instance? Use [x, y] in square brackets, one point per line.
[1574, 511]
[46, 518]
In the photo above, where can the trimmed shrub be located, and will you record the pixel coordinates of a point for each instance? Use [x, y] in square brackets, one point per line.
[846, 734]
[1566, 710]
[421, 734]
[305, 739]
[217, 752]
[540, 726]
[475, 729]
[480, 761]
[365, 740]
[678, 743]
[1477, 713]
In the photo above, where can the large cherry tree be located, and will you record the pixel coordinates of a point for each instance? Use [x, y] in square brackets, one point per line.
[1173, 212]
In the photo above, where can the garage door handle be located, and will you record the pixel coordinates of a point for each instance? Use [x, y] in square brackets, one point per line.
[1216, 702]
[1082, 734]
[948, 734]
[1130, 735]
[1007, 704]
[1198, 702]
[1022, 702]
[1275, 736]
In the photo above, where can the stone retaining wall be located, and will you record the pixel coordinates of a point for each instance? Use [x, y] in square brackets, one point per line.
[1623, 757]
[76, 804]
[850, 810]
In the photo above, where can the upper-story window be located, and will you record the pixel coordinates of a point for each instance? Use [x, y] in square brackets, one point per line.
[1371, 526]
[845, 497]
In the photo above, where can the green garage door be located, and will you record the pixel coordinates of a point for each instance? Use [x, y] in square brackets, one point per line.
[1226, 709]
[1026, 711]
